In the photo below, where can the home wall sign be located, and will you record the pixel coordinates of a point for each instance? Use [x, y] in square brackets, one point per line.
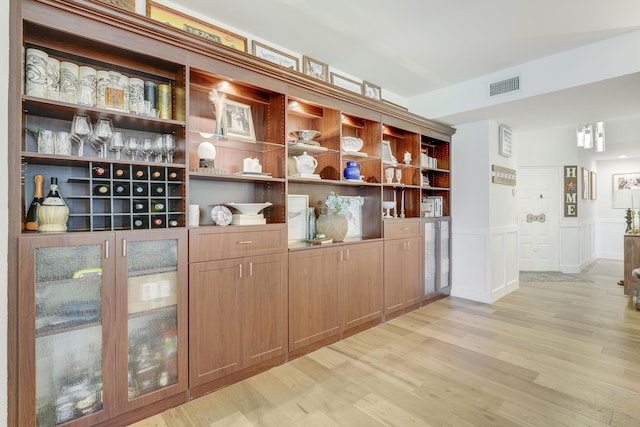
[570, 191]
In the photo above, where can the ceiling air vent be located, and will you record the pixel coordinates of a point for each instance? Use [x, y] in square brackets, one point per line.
[504, 86]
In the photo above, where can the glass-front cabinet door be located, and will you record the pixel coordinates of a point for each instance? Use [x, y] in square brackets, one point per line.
[65, 323]
[152, 297]
[437, 257]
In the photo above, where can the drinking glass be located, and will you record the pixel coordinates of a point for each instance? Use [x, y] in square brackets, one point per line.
[388, 174]
[399, 175]
[80, 131]
[117, 144]
[146, 149]
[102, 134]
[132, 147]
[169, 146]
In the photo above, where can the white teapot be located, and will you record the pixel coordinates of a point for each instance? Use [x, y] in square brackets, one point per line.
[305, 163]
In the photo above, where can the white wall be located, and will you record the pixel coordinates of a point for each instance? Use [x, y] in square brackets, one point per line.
[484, 217]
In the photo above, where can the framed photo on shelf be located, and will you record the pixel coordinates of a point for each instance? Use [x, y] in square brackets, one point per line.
[314, 68]
[238, 122]
[191, 25]
[297, 205]
[354, 217]
[371, 91]
[345, 83]
[585, 183]
[270, 54]
[593, 185]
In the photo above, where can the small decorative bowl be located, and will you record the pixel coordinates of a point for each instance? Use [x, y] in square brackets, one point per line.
[351, 144]
[249, 208]
[305, 135]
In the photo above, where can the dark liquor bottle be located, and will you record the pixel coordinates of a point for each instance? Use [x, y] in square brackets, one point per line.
[138, 223]
[121, 189]
[101, 190]
[173, 223]
[31, 219]
[139, 206]
[157, 222]
[140, 189]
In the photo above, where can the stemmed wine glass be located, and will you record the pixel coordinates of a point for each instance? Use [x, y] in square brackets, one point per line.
[81, 131]
[146, 149]
[117, 144]
[169, 146]
[102, 134]
[132, 147]
[158, 148]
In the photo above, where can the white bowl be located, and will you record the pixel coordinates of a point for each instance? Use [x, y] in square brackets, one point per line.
[249, 208]
[305, 134]
[351, 143]
[388, 205]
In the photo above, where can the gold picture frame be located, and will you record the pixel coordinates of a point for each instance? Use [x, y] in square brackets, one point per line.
[195, 26]
[270, 54]
[314, 68]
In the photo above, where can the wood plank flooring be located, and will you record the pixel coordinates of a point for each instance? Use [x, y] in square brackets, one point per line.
[549, 354]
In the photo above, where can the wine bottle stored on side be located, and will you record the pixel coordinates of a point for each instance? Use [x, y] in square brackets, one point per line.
[121, 172]
[140, 206]
[121, 189]
[157, 189]
[157, 206]
[31, 219]
[139, 222]
[140, 189]
[173, 175]
[100, 172]
[101, 190]
[156, 174]
[173, 223]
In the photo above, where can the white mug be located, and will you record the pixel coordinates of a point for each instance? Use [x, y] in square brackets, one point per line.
[35, 73]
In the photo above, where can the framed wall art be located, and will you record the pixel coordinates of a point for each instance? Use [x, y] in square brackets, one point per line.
[345, 83]
[626, 191]
[505, 141]
[314, 68]
[585, 183]
[371, 91]
[237, 121]
[593, 185]
[354, 216]
[195, 26]
[270, 54]
[297, 205]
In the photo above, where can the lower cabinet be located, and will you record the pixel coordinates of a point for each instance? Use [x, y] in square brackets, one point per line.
[437, 257]
[402, 266]
[332, 290]
[237, 313]
[103, 324]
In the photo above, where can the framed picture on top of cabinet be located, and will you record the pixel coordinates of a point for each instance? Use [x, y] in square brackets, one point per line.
[297, 205]
[593, 185]
[194, 26]
[237, 121]
[345, 83]
[371, 91]
[270, 54]
[314, 68]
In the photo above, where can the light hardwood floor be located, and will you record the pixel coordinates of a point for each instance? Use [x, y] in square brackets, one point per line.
[549, 354]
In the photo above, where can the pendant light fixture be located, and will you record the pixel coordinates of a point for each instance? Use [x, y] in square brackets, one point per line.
[589, 135]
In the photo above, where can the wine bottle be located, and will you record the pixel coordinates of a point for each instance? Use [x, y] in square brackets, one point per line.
[101, 190]
[157, 222]
[139, 189]
[139, 173]
[157, 207]
[138, 223]
[53, 213]
[31, 219]
[173, 175]
[155, 174]
[119, 172]
[121, 189]
[157, 189]
[98, 171]
[138, 206]
[173, 223]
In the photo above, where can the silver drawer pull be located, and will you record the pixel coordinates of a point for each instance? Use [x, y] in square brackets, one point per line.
[245, 242]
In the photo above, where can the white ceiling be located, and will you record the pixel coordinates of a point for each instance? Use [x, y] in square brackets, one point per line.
[411, 47]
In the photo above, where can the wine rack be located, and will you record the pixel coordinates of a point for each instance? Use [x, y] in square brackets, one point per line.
[113, 196]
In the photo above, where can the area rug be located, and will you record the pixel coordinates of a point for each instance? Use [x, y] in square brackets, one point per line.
[549, 276]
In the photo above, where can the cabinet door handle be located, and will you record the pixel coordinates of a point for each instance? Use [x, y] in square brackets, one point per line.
[404, 246]
[245, 242]
[250, 269]
[348, 254]
[240, 265]
[405, 228]
[124, 247]
[106, 249]
[408, 243]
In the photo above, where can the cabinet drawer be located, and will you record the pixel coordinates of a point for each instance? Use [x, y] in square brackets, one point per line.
[225, 242]
[399, 229]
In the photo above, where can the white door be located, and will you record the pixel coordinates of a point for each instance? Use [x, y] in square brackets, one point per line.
[538, 194]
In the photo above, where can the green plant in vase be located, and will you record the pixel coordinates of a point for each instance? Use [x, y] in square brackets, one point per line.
[333, 220]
